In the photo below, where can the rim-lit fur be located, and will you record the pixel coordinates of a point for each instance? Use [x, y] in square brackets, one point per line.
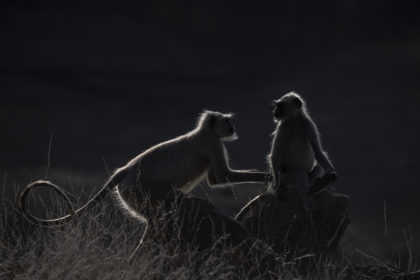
[297, 157]
[180, 164]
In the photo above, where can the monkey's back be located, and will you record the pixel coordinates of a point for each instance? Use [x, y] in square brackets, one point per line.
[171, 164]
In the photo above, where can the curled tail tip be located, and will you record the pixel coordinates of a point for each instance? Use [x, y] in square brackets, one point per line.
[22, 204]
[39, 182]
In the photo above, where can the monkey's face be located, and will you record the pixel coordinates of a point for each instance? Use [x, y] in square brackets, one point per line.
[224, 128]
[287, 107]
[278, 112]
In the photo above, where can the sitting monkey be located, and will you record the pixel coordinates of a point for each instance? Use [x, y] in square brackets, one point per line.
[296, 157]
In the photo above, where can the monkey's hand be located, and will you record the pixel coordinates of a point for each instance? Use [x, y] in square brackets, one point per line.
[333, 176]
[330, 172]
[329, 169]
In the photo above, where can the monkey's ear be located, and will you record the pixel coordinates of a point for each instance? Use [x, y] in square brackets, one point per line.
[297, 102]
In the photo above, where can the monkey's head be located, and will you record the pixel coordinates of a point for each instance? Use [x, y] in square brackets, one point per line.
[220, 124]
[288, 106]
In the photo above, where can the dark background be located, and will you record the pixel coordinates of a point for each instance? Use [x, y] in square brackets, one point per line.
[108, 80]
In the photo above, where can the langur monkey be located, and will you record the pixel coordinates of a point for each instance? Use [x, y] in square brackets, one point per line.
[296, 157]
[177, 164]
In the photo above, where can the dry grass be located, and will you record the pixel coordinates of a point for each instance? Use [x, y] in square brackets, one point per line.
[98, 245]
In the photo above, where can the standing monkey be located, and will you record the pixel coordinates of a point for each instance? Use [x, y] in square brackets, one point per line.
[296, 157]
[177, 164]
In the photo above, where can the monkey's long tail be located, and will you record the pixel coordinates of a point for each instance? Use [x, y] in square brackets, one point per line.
[23, 203]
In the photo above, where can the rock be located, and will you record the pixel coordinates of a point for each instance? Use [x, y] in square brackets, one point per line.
[383, 271]
[190, 221]
[288, 228]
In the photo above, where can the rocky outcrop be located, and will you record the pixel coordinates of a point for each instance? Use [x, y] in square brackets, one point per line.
[288, 228]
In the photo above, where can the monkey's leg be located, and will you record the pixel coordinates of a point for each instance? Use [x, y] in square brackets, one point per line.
[315, 173]
[323, 181]
[146, 226]
[286, 179]
[140, 204]
[302, 184]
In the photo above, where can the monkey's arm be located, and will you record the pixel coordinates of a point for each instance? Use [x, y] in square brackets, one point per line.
[216, 176]
[320, 156]
[250, 176]
[220, 173]
[274, 159]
